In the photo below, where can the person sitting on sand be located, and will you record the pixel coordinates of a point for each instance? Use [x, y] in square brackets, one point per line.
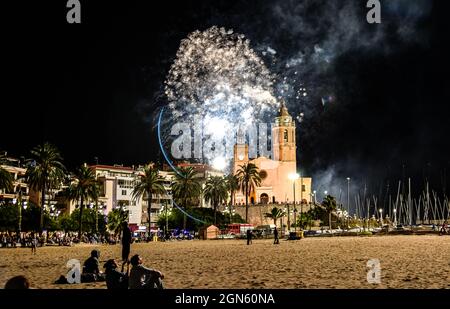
[115, 279]
[142, 277]
[91, 271]
[17, 283]
[443, 229]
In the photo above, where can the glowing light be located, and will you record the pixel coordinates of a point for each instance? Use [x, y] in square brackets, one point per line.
[217, 79]
[219, 163]
[294, 176]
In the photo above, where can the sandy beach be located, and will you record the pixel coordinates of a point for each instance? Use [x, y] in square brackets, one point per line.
[338, 262]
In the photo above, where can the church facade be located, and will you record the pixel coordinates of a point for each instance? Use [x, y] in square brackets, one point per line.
[280, 180]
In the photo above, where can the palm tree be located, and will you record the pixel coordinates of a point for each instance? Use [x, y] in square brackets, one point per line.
[233, 186]
[275, 214]
[149, 183]
[94, 193]
[82, 188]
[115, 219]
[216, 192]
[45, 172]
[6, 180]
[186, 187]
[305, 219]
[249, 179]
[330, 206]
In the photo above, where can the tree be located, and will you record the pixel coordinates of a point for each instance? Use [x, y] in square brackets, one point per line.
[45, 172]
[6, 180]
[186, 187]
[90, 218]
[94, 193]
[248, 179]
[82, 188]
[233, 186]
[330, 206]
[216, 192]
[175, 219]
[304, 220]
[115, 219]
[149, 183]
[275, 214]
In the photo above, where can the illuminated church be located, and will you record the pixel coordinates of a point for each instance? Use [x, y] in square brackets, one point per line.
[279, 175]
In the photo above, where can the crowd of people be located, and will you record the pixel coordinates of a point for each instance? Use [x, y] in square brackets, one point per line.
[14, 240]
[60, 238]
[138, 277]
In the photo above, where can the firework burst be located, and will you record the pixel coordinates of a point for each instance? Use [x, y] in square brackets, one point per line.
[217, 78]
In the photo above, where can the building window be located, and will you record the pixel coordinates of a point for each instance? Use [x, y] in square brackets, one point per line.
[285, 136]
[304, 188]
[124, 192]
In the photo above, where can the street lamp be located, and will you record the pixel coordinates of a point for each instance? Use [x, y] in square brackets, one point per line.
[395, 217]
[315, 196]
[348, 195]
[289, 216]
[381, 216]
[294, 177]
[295, 219]
[19, 203]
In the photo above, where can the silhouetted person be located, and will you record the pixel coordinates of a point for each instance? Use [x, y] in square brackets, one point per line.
[91, 265]
[34, 243]
[115, 279]
[443, 229]
[91, 268]
[17, 283]
[276, 240]
[126, 243]
[142, 277]
[249, 236]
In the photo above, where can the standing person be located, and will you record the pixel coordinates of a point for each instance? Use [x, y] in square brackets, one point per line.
[276, 240]
[142, 277]
[126, 244]
[249, 236]
[34, 242]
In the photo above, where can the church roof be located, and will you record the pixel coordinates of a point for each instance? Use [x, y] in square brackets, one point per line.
[283, 110]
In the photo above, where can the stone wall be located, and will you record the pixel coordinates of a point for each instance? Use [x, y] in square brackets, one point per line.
[256, 213]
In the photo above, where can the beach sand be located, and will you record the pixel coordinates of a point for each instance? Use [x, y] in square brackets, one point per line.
[334, 262]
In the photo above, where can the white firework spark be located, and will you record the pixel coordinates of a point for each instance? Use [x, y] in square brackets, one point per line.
[218, 78]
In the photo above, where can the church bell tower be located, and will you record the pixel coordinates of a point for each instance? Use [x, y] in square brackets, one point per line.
[240, 151]
[283, 136]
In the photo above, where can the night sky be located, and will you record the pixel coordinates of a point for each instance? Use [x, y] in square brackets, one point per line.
[94, 89]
